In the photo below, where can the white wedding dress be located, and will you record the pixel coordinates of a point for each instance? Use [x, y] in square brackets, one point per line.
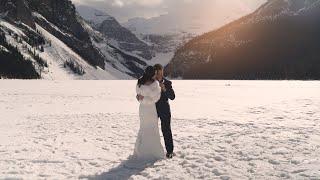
[148, 146]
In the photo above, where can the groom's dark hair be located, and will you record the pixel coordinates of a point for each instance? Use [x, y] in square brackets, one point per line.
[158, 67]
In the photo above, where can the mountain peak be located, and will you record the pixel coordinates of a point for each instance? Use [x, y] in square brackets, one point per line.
[117, 35]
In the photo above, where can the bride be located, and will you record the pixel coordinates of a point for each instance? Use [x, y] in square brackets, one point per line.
[148, 145]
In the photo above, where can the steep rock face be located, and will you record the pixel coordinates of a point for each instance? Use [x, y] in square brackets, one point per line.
[63, 15]
[278, 41]
[125, 39]
[17, 10]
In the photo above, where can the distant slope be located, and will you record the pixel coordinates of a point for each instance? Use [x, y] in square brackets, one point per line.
[114, 32]
[278, 41]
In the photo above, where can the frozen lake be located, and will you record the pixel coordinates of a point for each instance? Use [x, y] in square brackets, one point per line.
[222, 130]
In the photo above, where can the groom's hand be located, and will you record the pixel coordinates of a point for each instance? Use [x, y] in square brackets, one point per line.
[163, 87]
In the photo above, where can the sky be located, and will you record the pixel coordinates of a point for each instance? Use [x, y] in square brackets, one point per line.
[127, 9]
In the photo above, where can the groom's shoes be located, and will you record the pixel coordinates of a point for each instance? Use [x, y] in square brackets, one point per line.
[169, 155]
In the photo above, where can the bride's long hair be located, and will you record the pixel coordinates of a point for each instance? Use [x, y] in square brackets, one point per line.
[148, 75]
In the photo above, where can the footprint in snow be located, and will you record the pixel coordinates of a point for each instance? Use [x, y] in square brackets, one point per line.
[278, 118]
[225, 177]
[274, 162]
[295, 162]
[299, 171]
[218, 158]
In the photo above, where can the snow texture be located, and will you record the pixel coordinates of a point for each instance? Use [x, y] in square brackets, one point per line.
[222, 130]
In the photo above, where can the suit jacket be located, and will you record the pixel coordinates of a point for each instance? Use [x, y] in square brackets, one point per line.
[163, 106]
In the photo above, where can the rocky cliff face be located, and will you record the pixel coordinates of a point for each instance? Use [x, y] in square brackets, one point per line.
[63, 15]
[278, 41]
[17, 10]
[124, 38]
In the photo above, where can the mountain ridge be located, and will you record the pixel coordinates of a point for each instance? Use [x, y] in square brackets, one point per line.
[277, 41]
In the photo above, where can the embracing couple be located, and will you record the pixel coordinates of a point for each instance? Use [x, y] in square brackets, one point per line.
[153, 93]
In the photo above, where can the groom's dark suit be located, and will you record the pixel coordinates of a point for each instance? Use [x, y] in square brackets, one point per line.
[164, 112]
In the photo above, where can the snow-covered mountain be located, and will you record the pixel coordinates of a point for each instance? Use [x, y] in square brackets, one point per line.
[169, 31]
[277, 41]
[116, 34]
[58, 44]
[194, 17]
[92, 15]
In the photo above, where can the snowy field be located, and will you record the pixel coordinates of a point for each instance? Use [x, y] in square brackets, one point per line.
[222, 130]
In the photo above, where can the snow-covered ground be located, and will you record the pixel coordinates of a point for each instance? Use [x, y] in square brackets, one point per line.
[222, 130]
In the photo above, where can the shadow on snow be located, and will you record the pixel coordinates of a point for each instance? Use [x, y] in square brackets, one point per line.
[123, 171]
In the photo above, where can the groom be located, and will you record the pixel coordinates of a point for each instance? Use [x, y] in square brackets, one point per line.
[163, 108]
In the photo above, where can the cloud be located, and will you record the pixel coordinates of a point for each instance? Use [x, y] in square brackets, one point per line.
[118, 3]
[121, 3]
[148, 3]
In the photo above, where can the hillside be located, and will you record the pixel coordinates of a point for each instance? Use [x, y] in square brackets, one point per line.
[58, 44]
[277, 41]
